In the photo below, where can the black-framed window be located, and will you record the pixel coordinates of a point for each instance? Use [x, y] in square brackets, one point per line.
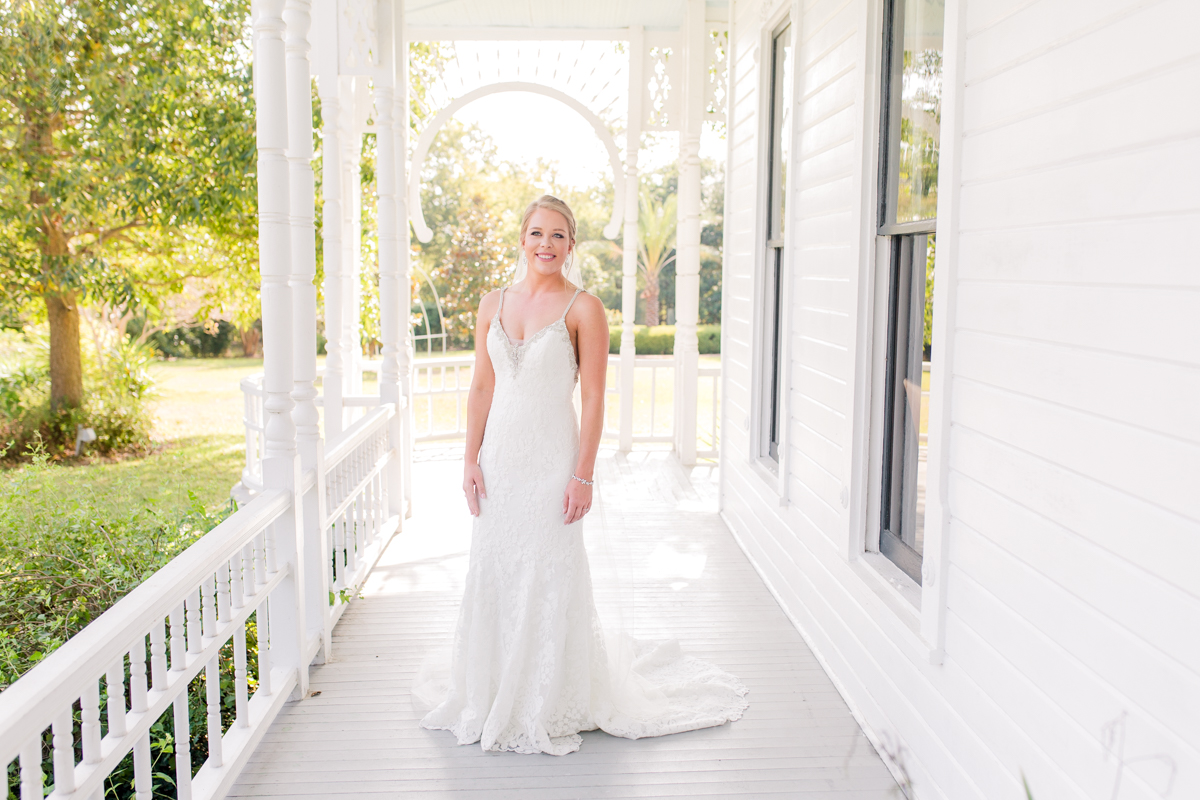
[912, 116]
[908, 176]
[778, 149]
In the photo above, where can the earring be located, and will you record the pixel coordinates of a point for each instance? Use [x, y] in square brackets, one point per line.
[522, 263]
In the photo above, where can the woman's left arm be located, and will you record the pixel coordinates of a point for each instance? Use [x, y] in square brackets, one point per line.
[592, 339]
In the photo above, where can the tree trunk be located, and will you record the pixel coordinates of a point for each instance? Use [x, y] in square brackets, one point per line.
[66, 366]
[651, 296]
[251, 339]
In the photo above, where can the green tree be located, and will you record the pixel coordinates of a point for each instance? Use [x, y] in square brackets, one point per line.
[466, 178]
[657, 222]
[479, 259]
[116, 116]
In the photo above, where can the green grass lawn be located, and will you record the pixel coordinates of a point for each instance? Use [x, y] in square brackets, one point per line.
[199, 438]
[77, 535]
[199, 445]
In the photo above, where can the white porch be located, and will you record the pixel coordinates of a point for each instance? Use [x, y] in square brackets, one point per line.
[356, 734]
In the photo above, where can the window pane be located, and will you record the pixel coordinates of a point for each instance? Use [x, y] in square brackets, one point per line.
[777, 313]
[921, 406]
[906, 423]
[920, 109]
[781, 119]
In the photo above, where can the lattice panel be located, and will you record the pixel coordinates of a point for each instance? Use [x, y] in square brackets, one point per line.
[716, 87]
[594, 73]
[358, 40]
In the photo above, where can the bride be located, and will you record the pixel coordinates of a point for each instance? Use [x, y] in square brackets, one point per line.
[530, 664]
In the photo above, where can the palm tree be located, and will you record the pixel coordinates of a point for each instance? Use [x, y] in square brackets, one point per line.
[657, 222]
[657, 225]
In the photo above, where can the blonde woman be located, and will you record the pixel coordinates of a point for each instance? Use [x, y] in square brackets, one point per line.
[530, 666]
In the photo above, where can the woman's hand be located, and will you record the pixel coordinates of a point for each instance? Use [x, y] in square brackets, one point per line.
[473, 487]
[577, 501]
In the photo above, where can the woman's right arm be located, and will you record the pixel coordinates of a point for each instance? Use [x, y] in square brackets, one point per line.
[479, 403]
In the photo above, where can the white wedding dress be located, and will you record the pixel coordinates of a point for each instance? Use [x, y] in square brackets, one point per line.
[529, 666]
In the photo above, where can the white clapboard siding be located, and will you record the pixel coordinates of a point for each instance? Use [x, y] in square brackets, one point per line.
[358, 734]
[1072, 602]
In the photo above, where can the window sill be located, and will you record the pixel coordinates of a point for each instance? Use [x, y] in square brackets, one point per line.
[898, 592]
[768, 471]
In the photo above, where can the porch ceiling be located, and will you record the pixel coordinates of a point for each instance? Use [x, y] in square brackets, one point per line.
[539, 15]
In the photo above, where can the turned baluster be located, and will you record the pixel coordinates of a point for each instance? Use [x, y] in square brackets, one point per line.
[193, 622]
[115, 684]
[138, 691]
[31, 769]
[263, 615]
[183, 733]
[64, 750]
[158, 657]
[240, 688]
[212, 688]
[89, 729]
[224, 602]
[234, 570]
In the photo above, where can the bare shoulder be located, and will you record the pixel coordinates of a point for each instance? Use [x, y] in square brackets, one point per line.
[588, 310]
[488, 304]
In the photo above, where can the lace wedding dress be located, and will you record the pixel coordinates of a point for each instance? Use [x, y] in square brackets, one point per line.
[530, 666]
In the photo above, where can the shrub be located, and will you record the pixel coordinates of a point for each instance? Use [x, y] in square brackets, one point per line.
[660, 339]
[193, 341]
[118, 385]
[70, 547]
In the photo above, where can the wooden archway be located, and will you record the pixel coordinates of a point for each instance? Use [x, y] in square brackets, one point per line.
[424, 234]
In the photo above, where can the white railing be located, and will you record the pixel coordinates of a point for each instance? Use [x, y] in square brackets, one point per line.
[254, 418]
[710, 437]
[654, 419]
[646, 408]
[189, 610]
[437, 383]
[441, 385]
[354, 507]
[440, 388]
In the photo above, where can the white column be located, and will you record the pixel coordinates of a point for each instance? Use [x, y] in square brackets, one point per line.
[303, 266]
[630, 241]
[360, 98]
[405, 354]
[298, 16]
[391, 307]
[687, 241]
[351, 189]
[332, 216]
[281, 466]
[274, 230]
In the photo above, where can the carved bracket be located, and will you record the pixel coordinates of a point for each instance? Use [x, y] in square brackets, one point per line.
[358, 41]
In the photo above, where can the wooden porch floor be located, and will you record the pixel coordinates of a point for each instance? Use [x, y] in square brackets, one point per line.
[357, 733]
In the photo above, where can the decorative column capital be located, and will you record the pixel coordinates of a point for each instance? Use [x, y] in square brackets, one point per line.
[297, 15]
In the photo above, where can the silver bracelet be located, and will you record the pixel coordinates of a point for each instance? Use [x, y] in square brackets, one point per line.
[581, 480]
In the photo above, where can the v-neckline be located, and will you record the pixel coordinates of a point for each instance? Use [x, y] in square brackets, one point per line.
[541, 330]
[527, 339]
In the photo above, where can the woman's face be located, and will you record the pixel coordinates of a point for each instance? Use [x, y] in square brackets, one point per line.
[547, 241]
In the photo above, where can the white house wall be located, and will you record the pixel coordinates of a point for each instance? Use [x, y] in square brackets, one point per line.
[1069, 438]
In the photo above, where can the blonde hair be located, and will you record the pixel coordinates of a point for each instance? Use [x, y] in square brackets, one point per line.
[550, 203]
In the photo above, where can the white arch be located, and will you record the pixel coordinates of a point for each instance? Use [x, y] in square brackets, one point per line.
[422, 230]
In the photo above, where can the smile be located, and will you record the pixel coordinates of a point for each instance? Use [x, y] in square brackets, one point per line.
[546, 256]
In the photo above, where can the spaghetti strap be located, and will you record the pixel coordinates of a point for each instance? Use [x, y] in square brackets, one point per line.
[501, 306]
[568, 308]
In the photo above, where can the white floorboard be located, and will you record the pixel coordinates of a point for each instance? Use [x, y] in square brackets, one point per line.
[357, 734]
